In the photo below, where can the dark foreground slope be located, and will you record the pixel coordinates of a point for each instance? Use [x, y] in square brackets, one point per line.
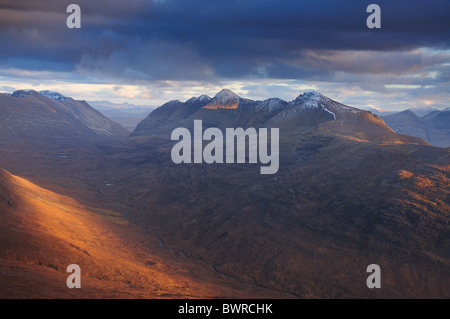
[42, 232]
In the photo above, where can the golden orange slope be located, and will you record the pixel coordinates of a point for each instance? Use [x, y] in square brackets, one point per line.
[41, 233]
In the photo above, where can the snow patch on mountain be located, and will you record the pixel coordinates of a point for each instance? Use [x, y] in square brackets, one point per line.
[308, 99]
[202, 98]
[225, 96]
[225, 99]
[270, 105]
[55, 96]
[306, 103]
[327, 110]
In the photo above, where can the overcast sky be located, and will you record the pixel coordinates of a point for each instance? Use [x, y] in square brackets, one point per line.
[148, 52]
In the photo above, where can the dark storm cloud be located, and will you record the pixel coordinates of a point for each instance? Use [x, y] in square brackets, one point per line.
[205, 40]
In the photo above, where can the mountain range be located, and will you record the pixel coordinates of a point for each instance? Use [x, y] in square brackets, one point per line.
[227, 109]
[433, 126]
[350, 192]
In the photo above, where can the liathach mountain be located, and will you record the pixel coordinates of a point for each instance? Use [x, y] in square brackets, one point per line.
[227, 109]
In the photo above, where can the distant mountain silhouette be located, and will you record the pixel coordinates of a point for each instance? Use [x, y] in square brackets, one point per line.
[434, 127]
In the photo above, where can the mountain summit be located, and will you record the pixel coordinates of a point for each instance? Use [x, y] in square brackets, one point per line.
[52, 119]
[225, 99]
[50, 94]
[226, 95]
[55, 96]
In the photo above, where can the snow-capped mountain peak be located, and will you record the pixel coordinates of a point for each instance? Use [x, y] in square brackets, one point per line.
[311, 96]
[271, 105]
[225, 99]
[307, 103]
[55, 96]
[226, 95]
[201, 98]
